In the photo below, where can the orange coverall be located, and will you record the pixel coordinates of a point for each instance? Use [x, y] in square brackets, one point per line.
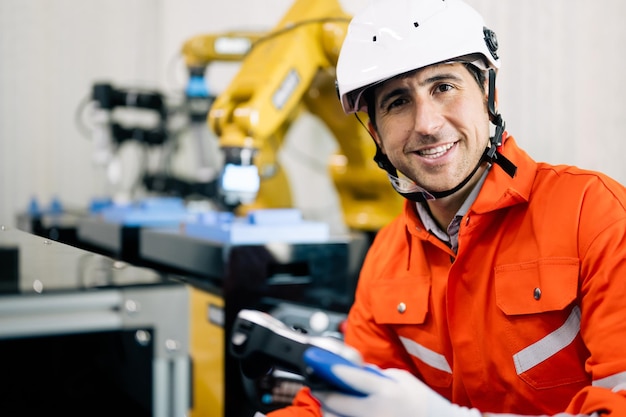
[529, 317]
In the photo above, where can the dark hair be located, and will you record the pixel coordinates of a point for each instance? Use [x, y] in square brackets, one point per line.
[368, 94]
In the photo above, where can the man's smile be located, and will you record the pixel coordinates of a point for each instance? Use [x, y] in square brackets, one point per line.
[436, 152]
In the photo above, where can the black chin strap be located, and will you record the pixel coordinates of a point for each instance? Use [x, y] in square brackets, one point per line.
[422, 196]
[491, 154]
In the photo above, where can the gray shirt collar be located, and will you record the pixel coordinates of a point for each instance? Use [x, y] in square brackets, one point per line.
[452, 234]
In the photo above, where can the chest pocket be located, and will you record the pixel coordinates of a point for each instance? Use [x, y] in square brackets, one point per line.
[403, 305]
[538, 286]
[403, 300]
[542, 328]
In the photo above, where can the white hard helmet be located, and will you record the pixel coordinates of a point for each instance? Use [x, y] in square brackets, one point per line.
[392, 37]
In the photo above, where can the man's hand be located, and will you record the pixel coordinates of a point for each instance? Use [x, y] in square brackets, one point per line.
[395, 393]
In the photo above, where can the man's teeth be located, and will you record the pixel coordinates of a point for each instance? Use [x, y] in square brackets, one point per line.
[436, 152]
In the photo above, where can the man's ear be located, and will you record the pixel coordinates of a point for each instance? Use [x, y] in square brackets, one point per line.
[495, 98]
[374, 135]
[495, 93]
[495, 102]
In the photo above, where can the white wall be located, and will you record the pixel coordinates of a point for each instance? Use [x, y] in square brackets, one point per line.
[50, 54]
[560, 87]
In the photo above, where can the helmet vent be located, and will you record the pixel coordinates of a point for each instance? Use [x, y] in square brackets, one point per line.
[416, 24]
[374, 38]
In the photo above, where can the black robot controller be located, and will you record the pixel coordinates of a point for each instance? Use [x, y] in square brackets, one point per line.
[262, 342]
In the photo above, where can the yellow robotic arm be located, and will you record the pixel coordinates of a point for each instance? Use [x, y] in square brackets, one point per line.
[201, 50]
[367, 199]
[288, 70]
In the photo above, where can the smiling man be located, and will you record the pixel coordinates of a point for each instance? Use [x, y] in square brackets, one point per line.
[501, 287]
[435, 125]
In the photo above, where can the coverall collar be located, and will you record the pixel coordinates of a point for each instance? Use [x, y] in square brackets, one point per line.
[498, 191]
[450, 234]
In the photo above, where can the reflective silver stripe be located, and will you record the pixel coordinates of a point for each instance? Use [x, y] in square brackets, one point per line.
[556, 341]
[429, 357]
[615, 382]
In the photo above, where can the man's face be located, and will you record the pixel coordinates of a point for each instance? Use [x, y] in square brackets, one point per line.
[433, 124]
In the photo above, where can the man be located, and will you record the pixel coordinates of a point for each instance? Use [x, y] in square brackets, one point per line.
[501, 288]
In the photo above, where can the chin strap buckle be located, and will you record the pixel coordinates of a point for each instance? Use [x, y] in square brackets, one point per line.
[493, 156]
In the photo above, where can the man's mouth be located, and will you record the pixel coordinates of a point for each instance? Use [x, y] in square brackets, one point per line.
[436, 152]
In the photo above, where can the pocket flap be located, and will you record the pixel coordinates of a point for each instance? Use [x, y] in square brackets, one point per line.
[548, 284]
[402, 300]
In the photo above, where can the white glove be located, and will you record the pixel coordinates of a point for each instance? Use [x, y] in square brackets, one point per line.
[396, 393]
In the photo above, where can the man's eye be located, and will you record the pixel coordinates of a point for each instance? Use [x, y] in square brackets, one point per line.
[396, 103]
[442, 88]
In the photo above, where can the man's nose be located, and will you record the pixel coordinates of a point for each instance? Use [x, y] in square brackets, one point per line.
[428, 117]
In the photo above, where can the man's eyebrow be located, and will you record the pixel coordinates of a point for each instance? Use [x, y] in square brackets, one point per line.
[390, 94]
[430, 80]
[440, 77]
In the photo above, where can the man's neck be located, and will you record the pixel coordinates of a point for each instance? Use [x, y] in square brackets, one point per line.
[444, 209]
